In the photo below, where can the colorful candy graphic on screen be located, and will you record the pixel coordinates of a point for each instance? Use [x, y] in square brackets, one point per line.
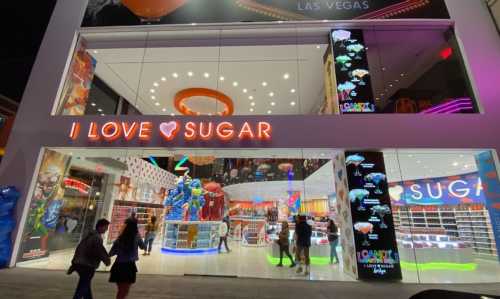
[344, 61]
[381, 211]
[355, 49]
[341, 36]
[358, 75]
[346, 91]
[355, 160]
[364, 228]
[376, 178]
[359, 195]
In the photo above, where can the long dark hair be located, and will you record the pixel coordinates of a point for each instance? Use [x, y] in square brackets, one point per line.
[332, 226]
[128, 236]
[153, 219]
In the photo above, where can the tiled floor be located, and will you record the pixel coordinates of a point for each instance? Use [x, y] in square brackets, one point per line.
[253, 262]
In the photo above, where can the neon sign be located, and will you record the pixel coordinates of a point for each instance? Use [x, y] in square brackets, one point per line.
[77, 185]
[191, 131]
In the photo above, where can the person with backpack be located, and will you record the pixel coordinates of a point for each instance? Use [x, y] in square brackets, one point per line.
[150, 235]
[333, 238]
[124, 269]
[89, 253]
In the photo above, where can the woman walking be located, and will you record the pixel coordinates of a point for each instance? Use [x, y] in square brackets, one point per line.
[333, 238]
[150, 235]
[124, 270]
[284, 244]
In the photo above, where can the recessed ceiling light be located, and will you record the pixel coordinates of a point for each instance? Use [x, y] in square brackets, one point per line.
[455, 163]
[206, 75]
[418, 161]
[271, 94]
[293, 103]
[175, 75]
[402, 74]
[100, 110]
[390, 85]
[163, 79]
[250, 97]
[269, 112]
[466, 166]
[286, 76]
[156, 84]
[397, 80]
[157, 104]
[235, 83]
[384, 69]
[264, 83]
[292, 90]
[222, 78]
[410, 156]
[152, 90]
[102, 114]
[164, 109]
[318, 47]
[190, 74]
[252, 110]
[377, 99]
[93, 104]
[252, 104]
[193, 24]
[172, 114]
[95, 51]
[245, 90]
[273, 104]
[153, 98]
[209, 114]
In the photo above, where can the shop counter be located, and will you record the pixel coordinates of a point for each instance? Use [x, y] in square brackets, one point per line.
[190, 237]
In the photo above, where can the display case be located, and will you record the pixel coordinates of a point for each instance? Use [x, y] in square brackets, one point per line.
[191, 237]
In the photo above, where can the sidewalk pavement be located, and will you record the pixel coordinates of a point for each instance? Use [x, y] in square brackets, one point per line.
[23, 283]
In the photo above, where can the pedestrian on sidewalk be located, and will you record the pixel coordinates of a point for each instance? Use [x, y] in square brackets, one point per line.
[150, 234]
[284, 244]
[124, 269]
[88, 255]
[223, 233]
[333, 238]
[304, 233]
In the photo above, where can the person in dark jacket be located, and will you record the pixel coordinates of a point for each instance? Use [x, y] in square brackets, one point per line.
[88, 255]
[284, 244]
[333, 238]
[303, 232]
[124, 269]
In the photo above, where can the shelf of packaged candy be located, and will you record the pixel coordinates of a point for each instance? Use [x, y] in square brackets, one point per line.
[123, 209]
[470, 223]
[191, 235]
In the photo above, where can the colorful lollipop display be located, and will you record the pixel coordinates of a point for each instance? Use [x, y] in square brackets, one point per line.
[381, 211]
[359, 195]
[376, 178]
[355, 160]
[364, 228]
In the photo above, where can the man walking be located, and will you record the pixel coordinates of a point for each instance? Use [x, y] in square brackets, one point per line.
[304, 232]
[88, 255]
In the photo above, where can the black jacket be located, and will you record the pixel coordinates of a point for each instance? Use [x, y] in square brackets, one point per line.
[304, 233]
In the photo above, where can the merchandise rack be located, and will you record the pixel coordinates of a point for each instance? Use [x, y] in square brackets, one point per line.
[122, 210]
[185, 236]
[470, 223]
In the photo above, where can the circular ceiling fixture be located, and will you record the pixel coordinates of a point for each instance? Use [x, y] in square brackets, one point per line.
[183, 95]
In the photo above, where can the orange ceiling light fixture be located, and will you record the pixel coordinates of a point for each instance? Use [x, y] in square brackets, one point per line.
[183, 95]
[153, 9]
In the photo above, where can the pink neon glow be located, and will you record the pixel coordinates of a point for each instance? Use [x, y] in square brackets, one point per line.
[453, 106]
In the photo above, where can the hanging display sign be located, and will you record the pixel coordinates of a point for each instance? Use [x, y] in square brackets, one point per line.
[374, 237]
[142, 12]
[491, 184]
[168, 131]
[352, 75]
[451, 190]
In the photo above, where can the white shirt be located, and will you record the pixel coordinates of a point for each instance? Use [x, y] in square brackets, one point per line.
[223, 229]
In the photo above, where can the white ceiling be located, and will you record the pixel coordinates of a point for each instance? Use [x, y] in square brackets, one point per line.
[129, 70]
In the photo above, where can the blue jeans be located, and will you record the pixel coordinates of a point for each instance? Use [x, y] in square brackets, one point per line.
[148, 241]
[83, 290]
[333, 250]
